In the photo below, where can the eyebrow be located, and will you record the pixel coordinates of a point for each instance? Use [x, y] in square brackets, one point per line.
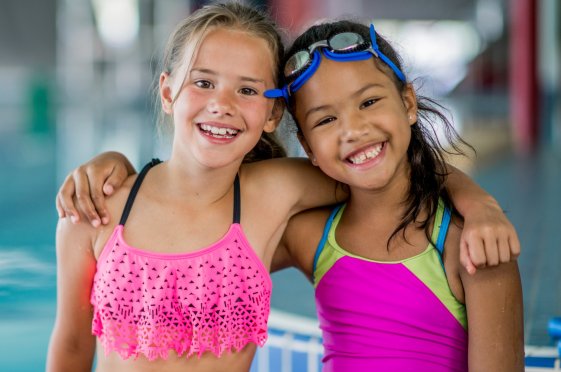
[242, 78]
[355, 94]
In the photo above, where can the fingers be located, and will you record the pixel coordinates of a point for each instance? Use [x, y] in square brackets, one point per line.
[59, 208]
[115, 180]
[64, 200]
[488, 239]
[84, 196]
[501, 246]
[503, 249]
[58, 202]
[96, 188]
[514, 245]
[491, 250]
[477, 252]
[482, 247]
[488, 247]
[465, 260]
[102, 184]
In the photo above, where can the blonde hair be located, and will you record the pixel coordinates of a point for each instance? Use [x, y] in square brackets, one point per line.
[233, 16]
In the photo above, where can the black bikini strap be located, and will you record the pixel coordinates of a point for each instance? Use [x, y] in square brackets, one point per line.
[237, 202]
[134, 190]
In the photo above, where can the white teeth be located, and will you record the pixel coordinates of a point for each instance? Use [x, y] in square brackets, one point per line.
[361, 157]
[216, 131]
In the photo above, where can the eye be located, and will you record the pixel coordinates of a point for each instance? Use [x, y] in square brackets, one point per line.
[325, 121]
[248, 91]
[369, 102]
[205, 84]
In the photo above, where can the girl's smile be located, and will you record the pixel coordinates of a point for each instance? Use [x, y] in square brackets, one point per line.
[218, 131]
[367, 155]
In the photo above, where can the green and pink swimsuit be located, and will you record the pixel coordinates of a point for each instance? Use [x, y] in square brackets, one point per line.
[388, 316]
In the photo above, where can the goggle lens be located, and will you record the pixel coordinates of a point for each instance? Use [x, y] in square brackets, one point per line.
[346, 41]
[296, 63]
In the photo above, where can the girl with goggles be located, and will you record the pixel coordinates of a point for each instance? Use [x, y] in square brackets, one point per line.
[389, 291]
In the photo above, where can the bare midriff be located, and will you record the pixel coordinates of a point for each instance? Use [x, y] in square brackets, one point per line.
[208, 362]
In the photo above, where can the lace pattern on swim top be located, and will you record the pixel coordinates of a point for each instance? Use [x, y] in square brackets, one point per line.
[147, 304]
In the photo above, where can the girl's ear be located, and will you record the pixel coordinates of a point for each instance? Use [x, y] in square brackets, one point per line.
[307, 148]
[275, 117]
[410, 101]
[166, 93]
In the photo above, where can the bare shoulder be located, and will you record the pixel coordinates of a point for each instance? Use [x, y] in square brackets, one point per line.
[275, 182]
[83, 232]
[115, 205]
[294, 180]
[116, 202]
[303, 235]
[283, 171]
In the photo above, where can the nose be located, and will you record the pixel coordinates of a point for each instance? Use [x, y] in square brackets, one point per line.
[221, 103]
[353, 127]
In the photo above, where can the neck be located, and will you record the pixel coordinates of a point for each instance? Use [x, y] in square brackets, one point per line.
[193, 184]
[386, 203]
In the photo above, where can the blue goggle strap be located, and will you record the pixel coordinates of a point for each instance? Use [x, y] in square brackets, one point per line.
[349, 57]
[383, 57]
[277, 93]
[300, 80]
[307, 74]
[355, 56]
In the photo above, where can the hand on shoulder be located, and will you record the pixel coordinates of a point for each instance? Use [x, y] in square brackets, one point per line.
[82, 194]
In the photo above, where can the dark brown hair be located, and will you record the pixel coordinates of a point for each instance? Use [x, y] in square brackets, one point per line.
[425, 154]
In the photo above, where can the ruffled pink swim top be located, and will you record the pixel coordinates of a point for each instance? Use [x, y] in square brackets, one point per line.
[215, 299]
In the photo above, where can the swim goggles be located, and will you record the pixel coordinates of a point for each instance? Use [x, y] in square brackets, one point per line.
[342, 47]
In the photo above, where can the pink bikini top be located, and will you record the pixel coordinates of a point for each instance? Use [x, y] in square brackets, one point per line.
[215, 299]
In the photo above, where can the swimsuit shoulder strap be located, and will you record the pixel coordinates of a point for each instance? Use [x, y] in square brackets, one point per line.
[135, 188]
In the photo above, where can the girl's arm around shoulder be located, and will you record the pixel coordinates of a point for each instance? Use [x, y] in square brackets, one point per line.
[72, 344]
[84, 189]
[488, 237]
[296, 183]
[493, 299]
[300, 241]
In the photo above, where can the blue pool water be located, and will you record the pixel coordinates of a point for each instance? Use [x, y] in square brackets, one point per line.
[27, 259]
